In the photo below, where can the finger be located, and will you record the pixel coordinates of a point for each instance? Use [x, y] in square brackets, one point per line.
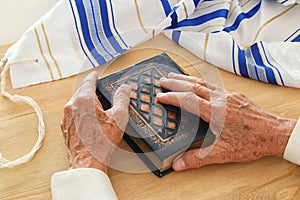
[67, 119]
[120, 106]
[201, 157]
[88, 86]
[185, 86]
[90, 80]
[187, 101]
[85, 96]
[188, 160]
[192, 79]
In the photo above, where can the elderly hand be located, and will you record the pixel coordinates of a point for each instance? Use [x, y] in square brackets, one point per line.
[244, 132]
[91, 134]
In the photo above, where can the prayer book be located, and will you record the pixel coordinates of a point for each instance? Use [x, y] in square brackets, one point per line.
[157, 133]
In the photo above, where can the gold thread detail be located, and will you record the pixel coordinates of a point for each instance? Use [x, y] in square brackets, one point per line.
[231, 12]
[245, 3]
[254, 61]
[266, 23]
[236, 51]
[210, 26]
[205, 46]
[185, 10]
[265, 62]
[139, 16]
[50, 52]
[293, 36]
[41, 51]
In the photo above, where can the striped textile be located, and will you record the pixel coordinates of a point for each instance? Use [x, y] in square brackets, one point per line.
[255, 39]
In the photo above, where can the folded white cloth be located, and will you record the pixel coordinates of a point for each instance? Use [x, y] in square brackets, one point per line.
[82, 183]
[255, 39]
[292, 150]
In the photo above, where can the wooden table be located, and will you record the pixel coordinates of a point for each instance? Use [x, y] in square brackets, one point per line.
[267, 178]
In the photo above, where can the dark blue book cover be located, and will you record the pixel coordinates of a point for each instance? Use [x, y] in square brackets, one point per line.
[158, 133]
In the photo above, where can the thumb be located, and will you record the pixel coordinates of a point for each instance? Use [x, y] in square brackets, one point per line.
[196, 158]
[120, 106]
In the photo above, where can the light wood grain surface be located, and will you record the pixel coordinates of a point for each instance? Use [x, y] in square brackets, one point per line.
[267, 178]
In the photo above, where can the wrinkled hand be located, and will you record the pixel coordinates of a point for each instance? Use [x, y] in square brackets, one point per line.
[91, 134]
[244, 132]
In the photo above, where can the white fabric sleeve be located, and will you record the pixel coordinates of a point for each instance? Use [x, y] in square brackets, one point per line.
[292, 150]
[82, 183]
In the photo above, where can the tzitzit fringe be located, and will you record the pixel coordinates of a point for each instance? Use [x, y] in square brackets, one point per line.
[4, 163]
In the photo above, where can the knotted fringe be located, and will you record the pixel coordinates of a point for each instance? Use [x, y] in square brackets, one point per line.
[4, 163]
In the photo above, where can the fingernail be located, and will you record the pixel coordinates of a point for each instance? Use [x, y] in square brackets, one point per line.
[160, 95]
[163, 78]
[126, 87]
[179, 164]
[171, 74]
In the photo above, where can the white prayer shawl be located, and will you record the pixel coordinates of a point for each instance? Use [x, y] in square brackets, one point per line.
[243, 37]
[256, 39]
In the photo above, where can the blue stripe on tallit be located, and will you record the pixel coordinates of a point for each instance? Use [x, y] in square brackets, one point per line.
[258, 59]
[196, 2]
[242, 17]
[106, 27]
[77, 30]
[233, 56]
[284, 2]
[252, 70]
[167, 9]
[114, 24]
[289, 38]
[297, 39]
[86, 33]
[222, 13]
[176, 36]
[242, 63]
[174, 16]
[105, 50]
[166, 6]
[265, 55]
